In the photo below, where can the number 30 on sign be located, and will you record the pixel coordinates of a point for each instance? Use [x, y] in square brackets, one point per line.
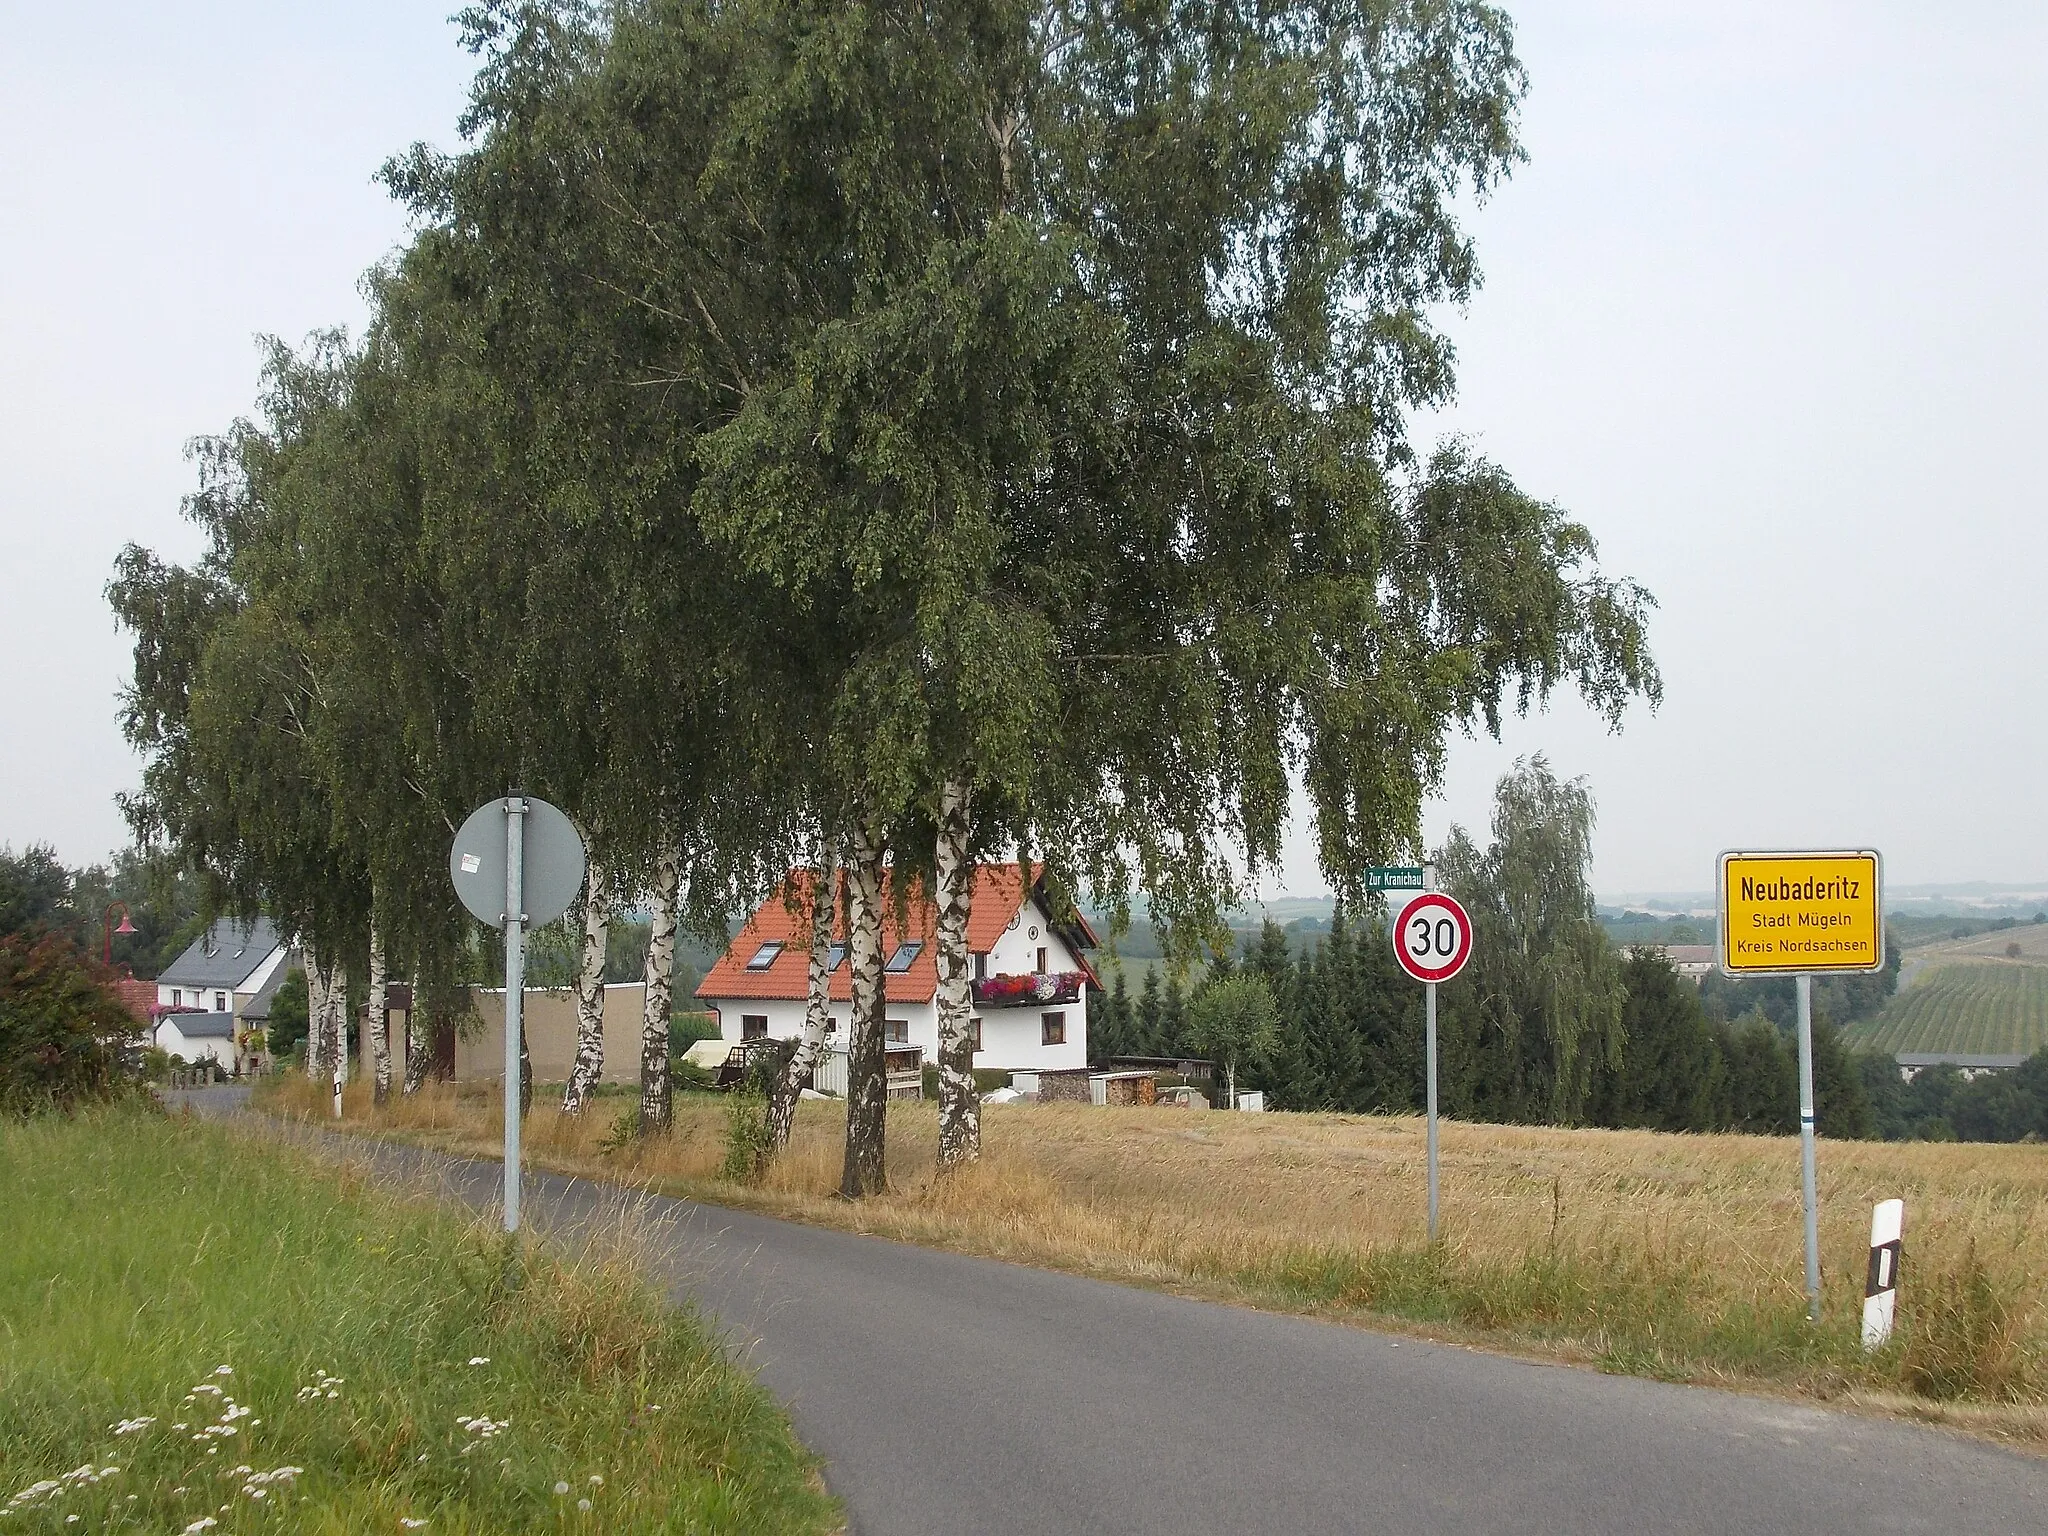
[1433, 937]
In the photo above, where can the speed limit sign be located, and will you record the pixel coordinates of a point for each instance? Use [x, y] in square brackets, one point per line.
[1433, 937]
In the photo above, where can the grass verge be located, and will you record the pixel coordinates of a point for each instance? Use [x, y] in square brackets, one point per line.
[1677, 1257]
[205, 1331]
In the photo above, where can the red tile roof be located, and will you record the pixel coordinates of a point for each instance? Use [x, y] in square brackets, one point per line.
[138, 997]
[786, 917]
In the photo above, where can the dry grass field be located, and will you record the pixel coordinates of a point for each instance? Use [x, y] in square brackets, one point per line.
[1674, 1256]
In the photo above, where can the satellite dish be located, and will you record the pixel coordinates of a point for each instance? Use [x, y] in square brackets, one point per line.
[551, 872]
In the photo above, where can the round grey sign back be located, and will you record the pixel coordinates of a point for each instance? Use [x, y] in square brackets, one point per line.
[553, 866]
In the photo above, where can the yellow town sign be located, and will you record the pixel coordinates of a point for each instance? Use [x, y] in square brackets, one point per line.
[1786, 913]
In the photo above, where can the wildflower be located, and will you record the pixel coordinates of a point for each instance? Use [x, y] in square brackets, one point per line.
[560, 1489]
[257, 1493]
[71, 1519]
[133, 1426]
[223, 1370]
[597, 1479]
[203, 1523]
[479, 1359]
[409, 1523]
[584, 1505]
[180, 1426]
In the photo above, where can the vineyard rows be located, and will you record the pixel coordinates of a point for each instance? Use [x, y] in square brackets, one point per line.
[1991, 1008]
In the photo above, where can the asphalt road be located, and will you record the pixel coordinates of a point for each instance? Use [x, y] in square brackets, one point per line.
[952, 1395]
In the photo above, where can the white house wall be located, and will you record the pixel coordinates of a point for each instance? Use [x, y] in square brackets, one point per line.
[171, 1039]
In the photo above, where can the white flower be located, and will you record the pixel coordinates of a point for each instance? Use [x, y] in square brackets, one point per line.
[203, 1523]
[561, 1488]
[597, 1479]
[133, 1426]
[409, 1523]
[479, 1359]
[257, 1493]
[223, 1370]
[584, 1505]
[71, 1519]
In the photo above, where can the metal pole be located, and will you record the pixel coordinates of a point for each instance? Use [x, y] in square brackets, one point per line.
[1429, 1063]
[515, 993]
[1429, 1058]
[1807, 1181]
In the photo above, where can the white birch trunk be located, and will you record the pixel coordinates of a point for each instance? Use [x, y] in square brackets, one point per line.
[589, 1063]
[318, 980]
[817, 1009]
[337, 1033]
[867, 1086]
[657, 1103]
[418, 1045]
[959, 1104]
[377, 1024]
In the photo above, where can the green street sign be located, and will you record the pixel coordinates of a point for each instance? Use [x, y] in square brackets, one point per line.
[1394, 877]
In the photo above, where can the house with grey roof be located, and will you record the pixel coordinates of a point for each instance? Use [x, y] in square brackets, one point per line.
[210, 989]
[198, 1037]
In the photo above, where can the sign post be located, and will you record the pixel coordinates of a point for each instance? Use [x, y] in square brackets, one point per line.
[1432, 940]
[516, 863]
[1796, 914]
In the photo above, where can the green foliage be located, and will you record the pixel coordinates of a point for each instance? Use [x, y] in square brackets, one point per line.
[1233, 1020]
[64, 1036]
[286, 1034]
[162, 1250]
[1941, 1104]
[1538, 1010]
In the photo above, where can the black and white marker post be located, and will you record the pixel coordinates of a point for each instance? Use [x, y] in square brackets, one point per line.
[516, 863]
[1432, 940]
[1881, 1288]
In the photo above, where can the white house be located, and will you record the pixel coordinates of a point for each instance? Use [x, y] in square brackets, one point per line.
[1031, 976]
[198, 1037]
[221, 974]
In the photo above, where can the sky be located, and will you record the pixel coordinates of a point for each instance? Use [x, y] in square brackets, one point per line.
[1765, 309]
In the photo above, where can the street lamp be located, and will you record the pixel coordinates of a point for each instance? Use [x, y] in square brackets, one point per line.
[107, 931]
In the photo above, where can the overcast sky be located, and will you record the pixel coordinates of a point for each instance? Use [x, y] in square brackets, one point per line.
[1766, 309]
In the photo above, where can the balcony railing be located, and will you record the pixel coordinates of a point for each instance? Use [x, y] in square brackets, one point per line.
[1029, 989]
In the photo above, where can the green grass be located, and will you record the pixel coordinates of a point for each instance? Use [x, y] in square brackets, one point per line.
[1991, 1006]
[206, 1280]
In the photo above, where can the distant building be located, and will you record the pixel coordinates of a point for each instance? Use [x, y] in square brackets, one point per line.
[198, 1037]
[1972, 1064]
[1029, 989]
[1692, 961]
[224, 971]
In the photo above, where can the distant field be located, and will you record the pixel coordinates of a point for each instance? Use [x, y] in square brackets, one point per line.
[1967, 1001]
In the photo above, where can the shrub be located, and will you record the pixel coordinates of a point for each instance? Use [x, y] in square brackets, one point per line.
[64, 1036]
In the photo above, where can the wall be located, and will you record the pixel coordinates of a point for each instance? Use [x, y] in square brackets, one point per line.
[550, 1020]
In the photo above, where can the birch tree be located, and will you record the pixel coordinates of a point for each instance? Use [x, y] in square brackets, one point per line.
[865, 1169]
[588, 1065]
[377, 1024]
[810, 1050]
[657, 1099]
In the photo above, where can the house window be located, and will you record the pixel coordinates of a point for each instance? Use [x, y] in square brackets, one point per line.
[833, 957]
[1041, 961]
[753, 1026]
[177, 997]
[905, 956]
[1052, 1029]
[765, 955]
[220, 1002]
[896, 1031]
[974, 1029]
[981, 965]
[831, 1026]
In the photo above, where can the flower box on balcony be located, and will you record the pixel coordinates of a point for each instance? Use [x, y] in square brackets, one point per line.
[1029, 989]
